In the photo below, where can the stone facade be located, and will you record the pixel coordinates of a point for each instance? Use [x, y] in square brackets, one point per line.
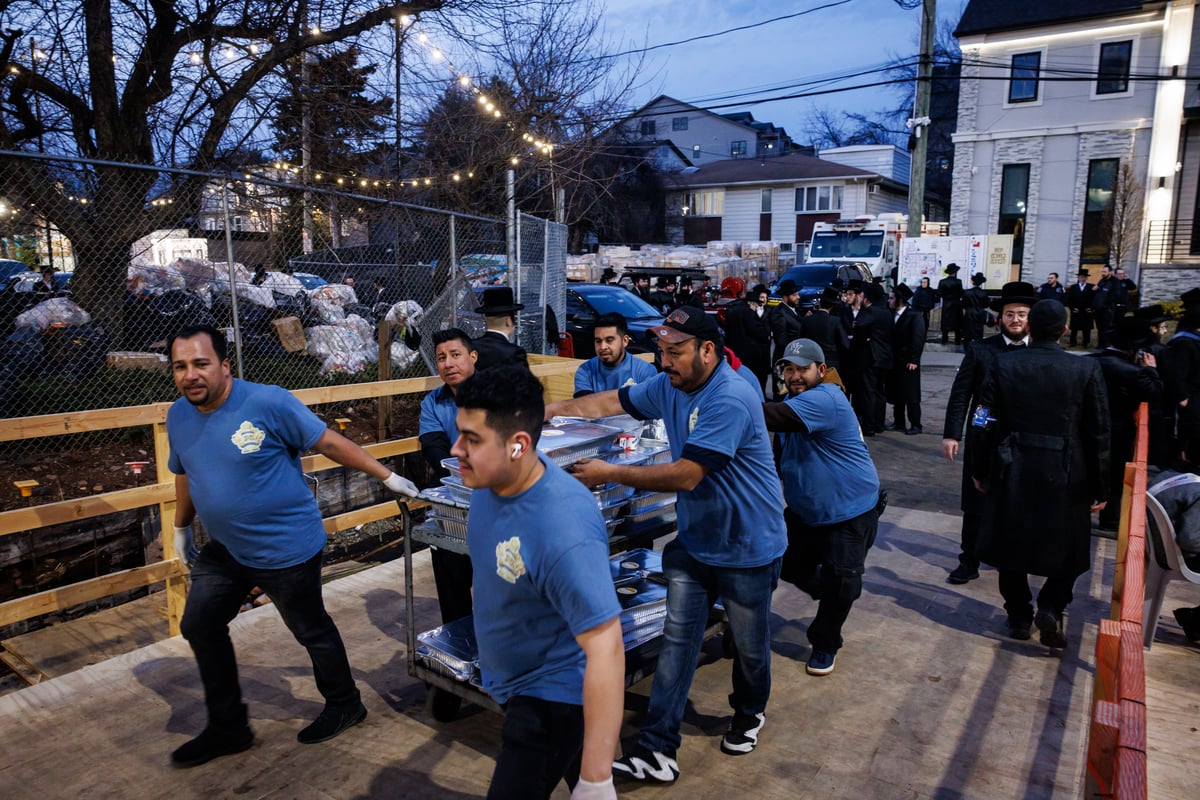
[964, 154]
[1164, 283]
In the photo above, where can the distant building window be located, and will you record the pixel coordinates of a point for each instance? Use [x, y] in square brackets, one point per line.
[1097, 210]
[766, 201]
[648, 127]
[1014, 196]
[737, 148]
[679, 124]
[1023, 82]
[1115, 58]
[237, 223]
[818, 198]
[705, 203]
[695, 152]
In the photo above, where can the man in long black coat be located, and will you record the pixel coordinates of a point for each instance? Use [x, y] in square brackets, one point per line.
[785, 318]
[950, 292]
[495, 346]
[1080, 298]
[1042, 429]
[975, 309]
[871, 354]
[1013, 306]
[908, 344]
[748, 333]
[1130, 378]
[828, 332]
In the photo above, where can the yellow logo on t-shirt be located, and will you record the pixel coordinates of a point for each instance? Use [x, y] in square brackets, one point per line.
[248, 438]
[509, 564]
[693, 419]
[629, 382]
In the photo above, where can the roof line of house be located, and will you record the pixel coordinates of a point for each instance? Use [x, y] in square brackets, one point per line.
[869, 177]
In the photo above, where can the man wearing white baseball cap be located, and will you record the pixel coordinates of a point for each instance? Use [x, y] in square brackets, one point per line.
[832, 493]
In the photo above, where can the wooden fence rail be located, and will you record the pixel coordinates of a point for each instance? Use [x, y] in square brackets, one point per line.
[557, 374]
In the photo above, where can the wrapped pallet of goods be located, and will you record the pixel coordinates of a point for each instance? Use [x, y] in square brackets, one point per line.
[582, 268]
[724, 249]
[768, 251]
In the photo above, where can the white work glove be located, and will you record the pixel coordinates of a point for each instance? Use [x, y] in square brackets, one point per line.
[587, 790]
[398, 484]
[185, 545]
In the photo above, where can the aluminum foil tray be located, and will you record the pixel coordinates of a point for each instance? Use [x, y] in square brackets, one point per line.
[568, 442]
[644, 501]
[610, 493]
[659, 451]
[662, 513]
[623, 423]
[451, 465]
[451, 649]
[613, 524]
[457, 491]
[635, 564]
[638, 593]
[431, 533]
[455, 529]
[441, 498]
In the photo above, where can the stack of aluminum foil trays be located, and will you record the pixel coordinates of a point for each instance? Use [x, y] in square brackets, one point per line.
[451, 649]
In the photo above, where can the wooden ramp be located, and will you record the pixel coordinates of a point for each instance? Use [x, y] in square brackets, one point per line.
[930, 699]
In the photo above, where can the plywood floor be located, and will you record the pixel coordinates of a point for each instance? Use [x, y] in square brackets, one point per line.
[929, 700]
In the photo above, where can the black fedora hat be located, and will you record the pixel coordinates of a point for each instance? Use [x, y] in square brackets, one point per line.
[1082, 273]
[787, 287]
[1130, 333]
[951, 269]
[498, 300]
[608, 273]
[1154, 314]
[1015, 292]
[1191, 298]
[978, 279]
[903, 292]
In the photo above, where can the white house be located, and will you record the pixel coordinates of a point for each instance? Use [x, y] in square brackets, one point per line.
[1054, 99]
[702, 136]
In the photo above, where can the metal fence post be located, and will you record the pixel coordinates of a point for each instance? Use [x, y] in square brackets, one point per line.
[233, 302]
[453, 274]
[545, 298]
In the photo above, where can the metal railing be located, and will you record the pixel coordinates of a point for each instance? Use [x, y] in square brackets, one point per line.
[1169, 241]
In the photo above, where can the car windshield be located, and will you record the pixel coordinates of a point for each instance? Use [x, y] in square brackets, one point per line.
[847, 244]
[813, 275]
[619, 301]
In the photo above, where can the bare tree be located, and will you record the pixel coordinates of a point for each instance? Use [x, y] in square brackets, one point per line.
[1123, 223]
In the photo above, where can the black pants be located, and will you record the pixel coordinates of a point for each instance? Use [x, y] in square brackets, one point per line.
[452, 575]
[1081, 323]
[968, 558]
[828, 562]
[869, 402]
[1104, 321]
[1056, 594]
[541, 744]
[905, 390]
[219, 587]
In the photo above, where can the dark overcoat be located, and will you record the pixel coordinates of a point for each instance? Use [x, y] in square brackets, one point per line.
[964, 396]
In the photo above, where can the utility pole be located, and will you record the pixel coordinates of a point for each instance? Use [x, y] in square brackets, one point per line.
[919, 123]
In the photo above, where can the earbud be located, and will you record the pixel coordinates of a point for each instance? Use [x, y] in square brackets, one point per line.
[517, 450]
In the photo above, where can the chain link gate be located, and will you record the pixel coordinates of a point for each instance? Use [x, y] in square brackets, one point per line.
[314, 273]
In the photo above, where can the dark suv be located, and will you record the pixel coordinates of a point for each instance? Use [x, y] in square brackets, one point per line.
[815, 276]
[587, 301]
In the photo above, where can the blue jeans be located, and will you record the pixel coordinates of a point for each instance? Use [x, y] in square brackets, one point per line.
[219, 587]
[692, 589]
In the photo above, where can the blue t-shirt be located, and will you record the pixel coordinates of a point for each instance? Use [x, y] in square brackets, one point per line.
[541, 579]
[242, 462]
[828, 475]
[734, 516]
[439, 412]
[593, 376]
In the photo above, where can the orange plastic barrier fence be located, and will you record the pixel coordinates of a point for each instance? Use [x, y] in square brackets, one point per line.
[1116, 759]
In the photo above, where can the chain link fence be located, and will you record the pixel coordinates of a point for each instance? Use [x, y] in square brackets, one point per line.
[312, 286]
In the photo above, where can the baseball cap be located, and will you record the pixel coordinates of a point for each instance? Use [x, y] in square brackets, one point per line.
[802, 352]
[686, 323]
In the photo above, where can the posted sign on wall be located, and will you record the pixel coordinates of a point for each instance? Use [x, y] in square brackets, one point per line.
[928, 257]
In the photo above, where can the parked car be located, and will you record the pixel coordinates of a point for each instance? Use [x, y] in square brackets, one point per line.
[23, 282]
[9, 268]
[815, 276]
[310, 280]
[588, 301]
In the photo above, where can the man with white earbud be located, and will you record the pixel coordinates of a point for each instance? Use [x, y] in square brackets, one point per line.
[235, 452]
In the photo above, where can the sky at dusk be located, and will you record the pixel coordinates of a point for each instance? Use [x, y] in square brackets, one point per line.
[833, 41]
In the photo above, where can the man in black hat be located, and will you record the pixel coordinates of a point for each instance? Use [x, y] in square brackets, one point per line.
[608, 276]
[1131, 378]
[1041, 429]
[1080, 298]
[1013, 306]
[950, 292]
[1181, 375]
[871, 355]
[975, 309]
[908, 343]
[496, 345]
[688, 297]
[663, 297]
[827, 331]
[1190, 298]
[748, 332]
[785, 317]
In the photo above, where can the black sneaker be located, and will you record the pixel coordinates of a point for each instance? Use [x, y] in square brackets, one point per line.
[642, 764]
[1019, 628]
[1189, 620]
[820, 662]
[742, 736]
[331, 722]
[211, 744]
[962, 574]
[1050, 628]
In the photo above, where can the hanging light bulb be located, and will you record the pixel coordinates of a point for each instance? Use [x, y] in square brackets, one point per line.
[196, 59]
[464, 80]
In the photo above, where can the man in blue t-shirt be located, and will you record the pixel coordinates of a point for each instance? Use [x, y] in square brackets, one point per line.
[731, 531]
[832, 492]
[612, 367]
[547, 619]
[455, 357]
[235, 452]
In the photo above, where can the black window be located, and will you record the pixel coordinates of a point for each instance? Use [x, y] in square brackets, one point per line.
[679, 124]
[648, 127]
[737, 148]
[1014, 196]
[1023, 81]
[1115, 58]
[1097, 210]
[695, 151]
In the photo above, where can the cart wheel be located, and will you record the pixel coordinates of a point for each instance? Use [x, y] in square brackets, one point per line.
[443, 705]
[728, 648]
